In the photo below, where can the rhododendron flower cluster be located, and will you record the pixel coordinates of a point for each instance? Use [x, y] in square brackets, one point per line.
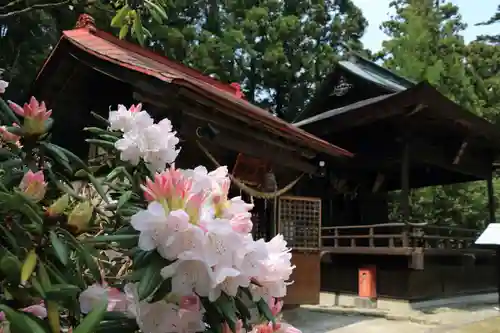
[203, 235]
[142, 138]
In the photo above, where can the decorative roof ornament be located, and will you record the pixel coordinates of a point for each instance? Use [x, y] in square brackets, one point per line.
[237, 88]
[342, 87]
[85, 21]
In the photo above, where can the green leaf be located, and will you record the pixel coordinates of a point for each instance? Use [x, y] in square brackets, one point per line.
[60, 157]
[109, 138]
[44, 276]
[102, 143]
[242, 308]
[8, 112]
[110, 238]
[6, 154]
[228, 309]
[98, 187]
[151, 278]
[265, 311]
[114, 173]
[138, 30]
[10, 266]
[124, 198]
[15, 130]
[11, 240]
[119, 18]
[90, 323]
[213, 315]
[58, 292]
[10, 164]
[158, 9]
[63, 187]
[59, 247]
[123, 31]
[77, 160]
[164, 289]
[55, 274]
[89, 261]
[100, 118]
[20, 322]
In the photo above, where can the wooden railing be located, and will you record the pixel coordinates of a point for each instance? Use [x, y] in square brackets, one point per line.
[397, 235]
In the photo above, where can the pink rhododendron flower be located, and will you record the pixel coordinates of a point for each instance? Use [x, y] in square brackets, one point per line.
[35, 115]
[33, 185]
[275, 305]
[8, 136]
[38, 310]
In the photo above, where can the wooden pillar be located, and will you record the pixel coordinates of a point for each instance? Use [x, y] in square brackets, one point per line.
[405, 182]
[491, 199]
[497, 261]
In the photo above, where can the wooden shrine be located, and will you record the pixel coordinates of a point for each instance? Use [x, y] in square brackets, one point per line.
[405, 135]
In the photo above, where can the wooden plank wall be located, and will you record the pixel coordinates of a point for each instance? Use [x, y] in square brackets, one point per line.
[306, 277]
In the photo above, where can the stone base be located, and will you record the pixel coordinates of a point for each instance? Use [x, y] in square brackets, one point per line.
[393, 305]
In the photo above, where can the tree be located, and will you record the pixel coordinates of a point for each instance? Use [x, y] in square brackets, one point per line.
[277, 50]
[426, 44]
[495, 39]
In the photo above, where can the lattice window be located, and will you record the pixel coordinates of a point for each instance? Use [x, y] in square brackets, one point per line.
[299, 220]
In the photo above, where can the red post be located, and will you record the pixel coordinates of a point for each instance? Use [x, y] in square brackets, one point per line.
[367, 284]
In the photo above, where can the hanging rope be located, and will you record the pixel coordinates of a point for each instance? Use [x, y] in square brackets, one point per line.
[250, 191]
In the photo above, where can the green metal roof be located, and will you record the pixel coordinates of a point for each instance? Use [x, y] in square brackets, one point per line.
[380, 76]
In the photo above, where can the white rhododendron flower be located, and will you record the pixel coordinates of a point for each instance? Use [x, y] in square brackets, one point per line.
[3, 86]
[142, 139]
[126, 120]
[90, 297]
[203, 235]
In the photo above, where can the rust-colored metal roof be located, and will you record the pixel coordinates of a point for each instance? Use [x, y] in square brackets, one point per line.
[107, 47]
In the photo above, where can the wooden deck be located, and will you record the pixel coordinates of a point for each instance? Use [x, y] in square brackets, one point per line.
[399, 239]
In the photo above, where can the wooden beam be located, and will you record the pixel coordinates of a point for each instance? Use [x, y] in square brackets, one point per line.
[422, 152]
[260, 151]
[460, 152]
[437, 156]
[212, 117]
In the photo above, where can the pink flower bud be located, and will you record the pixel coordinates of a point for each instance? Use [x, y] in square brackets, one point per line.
[33, 185]
[8, 136]
[35, 115]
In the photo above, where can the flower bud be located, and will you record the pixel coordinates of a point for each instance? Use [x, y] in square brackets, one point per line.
[8, 136]
[58, 206]
[80, 217]
[35, 116]
[33, 185]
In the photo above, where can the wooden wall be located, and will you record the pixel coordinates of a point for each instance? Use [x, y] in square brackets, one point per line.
[395, 281]
[306, 277]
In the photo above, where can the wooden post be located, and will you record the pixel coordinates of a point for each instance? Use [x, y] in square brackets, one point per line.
[405, 182]
[497, 259]
[491, 199]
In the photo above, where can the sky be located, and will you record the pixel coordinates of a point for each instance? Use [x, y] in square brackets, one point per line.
[472, 11]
